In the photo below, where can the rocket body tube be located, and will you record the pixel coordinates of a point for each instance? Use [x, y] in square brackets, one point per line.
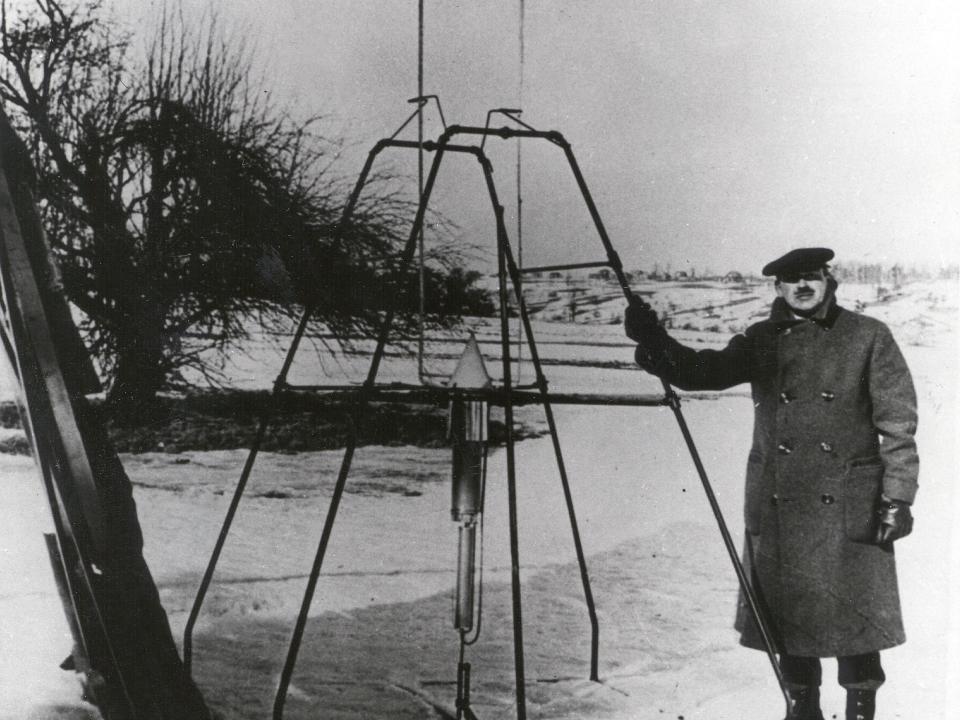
[466, 563]
[468, 434]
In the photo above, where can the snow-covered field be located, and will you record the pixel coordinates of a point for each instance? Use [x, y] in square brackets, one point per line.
[380, 641]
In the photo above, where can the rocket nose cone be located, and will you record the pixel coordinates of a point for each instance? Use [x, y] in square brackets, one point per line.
[471, 372]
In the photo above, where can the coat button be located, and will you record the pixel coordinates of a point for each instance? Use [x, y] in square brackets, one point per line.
[826, 447]
[786, 397]
[784, 448]
[827, 499]
[828, 395]
[774, 499]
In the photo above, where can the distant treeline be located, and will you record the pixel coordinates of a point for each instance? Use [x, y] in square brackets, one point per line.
[896, 274]
[878, 273]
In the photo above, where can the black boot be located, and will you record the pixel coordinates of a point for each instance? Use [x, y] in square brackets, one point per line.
[805, 704]
[861, 704]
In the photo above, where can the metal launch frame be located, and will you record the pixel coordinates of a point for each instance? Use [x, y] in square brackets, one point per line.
[507, 394]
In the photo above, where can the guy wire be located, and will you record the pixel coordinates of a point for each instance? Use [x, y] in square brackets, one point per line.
[422, 274]
[519, 179]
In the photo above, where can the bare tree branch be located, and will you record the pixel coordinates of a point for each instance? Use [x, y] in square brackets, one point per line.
[181, 200]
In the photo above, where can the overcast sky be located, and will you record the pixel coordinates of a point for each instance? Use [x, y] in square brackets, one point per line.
[712, 134]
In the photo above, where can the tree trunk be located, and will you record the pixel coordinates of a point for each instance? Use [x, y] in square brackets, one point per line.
[139, 371]
[138, 376]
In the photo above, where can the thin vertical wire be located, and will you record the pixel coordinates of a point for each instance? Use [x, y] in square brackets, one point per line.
[422, 279]
[519, 180]
[519, 145]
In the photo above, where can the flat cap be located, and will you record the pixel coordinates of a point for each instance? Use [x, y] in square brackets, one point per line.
[799, 260]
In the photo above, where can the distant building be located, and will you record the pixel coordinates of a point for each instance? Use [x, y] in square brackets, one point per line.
[733, 277]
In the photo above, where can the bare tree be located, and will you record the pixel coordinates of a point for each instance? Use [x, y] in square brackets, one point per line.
[178, 198]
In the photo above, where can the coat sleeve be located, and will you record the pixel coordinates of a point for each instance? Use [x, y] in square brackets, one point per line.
[691, 369]
[894, 403]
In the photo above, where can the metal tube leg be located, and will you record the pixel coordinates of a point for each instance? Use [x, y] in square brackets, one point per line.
[514, 271]
[218, 547]
[511, 471]
[617, 266]
[515, 588]
[241, 485]
[362, 399]
[578, 546]
[291, 661]
[745, 585]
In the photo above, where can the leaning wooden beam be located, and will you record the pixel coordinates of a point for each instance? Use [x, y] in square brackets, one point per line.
[122, 637]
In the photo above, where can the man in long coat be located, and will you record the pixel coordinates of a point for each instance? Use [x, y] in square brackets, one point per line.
[830, 477]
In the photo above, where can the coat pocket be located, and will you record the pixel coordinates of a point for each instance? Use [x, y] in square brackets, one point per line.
[753, 497]
[863, 484]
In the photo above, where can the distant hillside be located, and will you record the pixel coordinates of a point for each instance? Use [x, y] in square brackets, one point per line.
[912, 308]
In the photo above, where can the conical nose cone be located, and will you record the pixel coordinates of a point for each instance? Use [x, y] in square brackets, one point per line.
[470, 372]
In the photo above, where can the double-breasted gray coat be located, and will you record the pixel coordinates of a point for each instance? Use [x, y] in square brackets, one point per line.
[835, 417]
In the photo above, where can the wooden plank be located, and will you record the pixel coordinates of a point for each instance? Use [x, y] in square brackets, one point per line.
[24, 295]
[134, 669]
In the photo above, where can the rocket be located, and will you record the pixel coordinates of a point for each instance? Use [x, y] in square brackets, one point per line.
[468, 423]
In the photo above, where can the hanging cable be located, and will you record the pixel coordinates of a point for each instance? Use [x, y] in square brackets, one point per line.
[519, 178]
[519, 146]
[422, 275]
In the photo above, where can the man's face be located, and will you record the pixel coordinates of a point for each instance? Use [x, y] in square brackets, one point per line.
[804, 291]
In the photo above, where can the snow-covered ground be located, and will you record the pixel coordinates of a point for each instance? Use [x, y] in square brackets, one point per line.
[380, 642]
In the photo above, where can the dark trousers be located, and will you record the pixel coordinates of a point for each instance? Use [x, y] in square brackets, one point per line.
[854, 672]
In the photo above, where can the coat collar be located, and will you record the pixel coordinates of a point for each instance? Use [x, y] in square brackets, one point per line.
[825, 317]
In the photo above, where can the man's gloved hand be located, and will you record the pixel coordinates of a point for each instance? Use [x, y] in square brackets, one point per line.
[894, 520]
[640, 322]
[642, 325]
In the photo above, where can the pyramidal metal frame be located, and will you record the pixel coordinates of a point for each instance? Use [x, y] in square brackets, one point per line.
[506, 395]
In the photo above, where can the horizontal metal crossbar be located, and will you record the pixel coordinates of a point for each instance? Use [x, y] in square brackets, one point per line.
[504, 132]
[573, 266]
[495, 396]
